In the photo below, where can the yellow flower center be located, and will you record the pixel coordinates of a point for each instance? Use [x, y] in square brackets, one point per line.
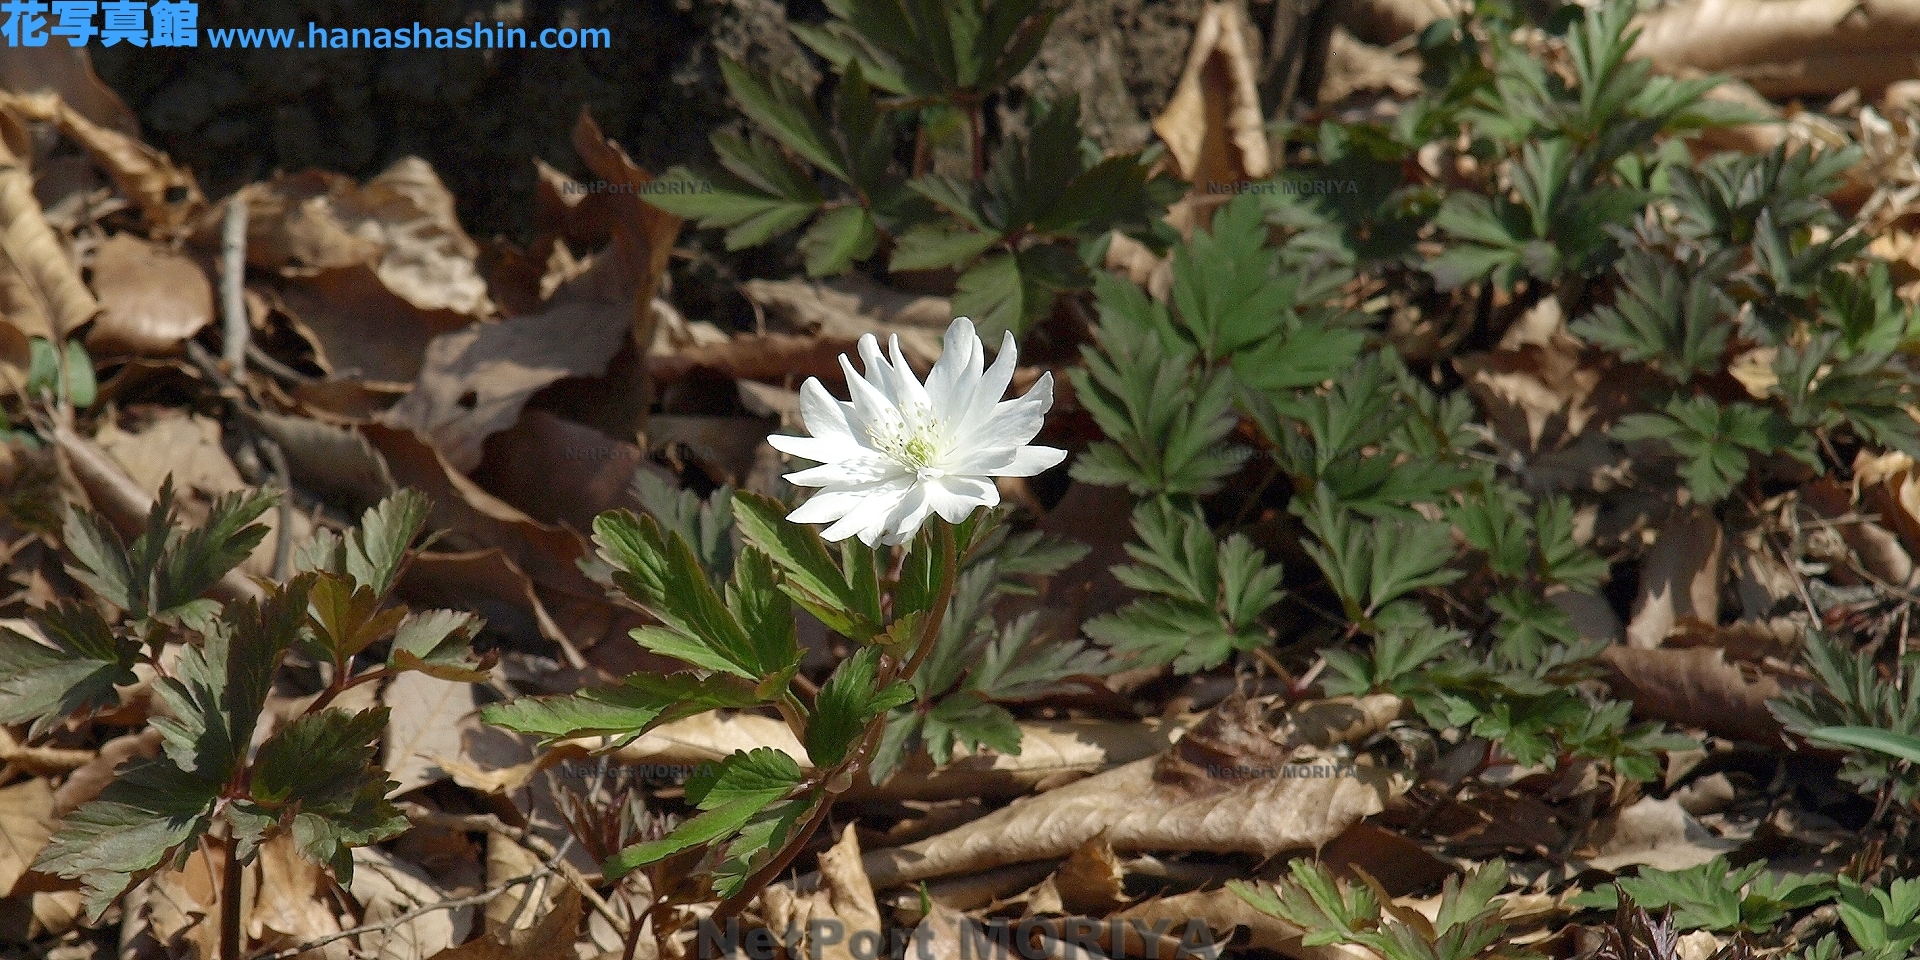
[910, 441]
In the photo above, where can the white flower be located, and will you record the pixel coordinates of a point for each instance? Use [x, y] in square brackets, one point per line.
[901, 451]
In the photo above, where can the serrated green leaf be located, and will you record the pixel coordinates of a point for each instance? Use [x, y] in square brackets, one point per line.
[848, 701]
[933, 247]
[838, 239]
[626, 710]
[46, 684]
[783, 110]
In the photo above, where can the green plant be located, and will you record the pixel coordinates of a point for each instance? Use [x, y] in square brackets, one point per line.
[1712, 896]
[1330, 911]
[1854, 706]
[1019, 222]
[314, 778]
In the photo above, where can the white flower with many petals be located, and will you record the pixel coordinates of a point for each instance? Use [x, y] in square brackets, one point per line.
[901, 450]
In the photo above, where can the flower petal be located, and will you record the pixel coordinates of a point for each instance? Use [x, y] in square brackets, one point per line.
[1028, 461]
[824, 416]
[950, 382]
[956, 497]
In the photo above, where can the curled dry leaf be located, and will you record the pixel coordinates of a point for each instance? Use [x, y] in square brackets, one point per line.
[514, 912]
[291, 904]
[168, 196]
[41, 293]
[643, 234]
[333, 462]
[771, 356]
[1874, 548]
[1212, 125]
[846, 308]
[1090, 882]
[401, 223]
[1679, 577]
[1696, 687]
[151, 298]
[486, 582]
[1888, 486]
[1787, 47]
[1223, 789]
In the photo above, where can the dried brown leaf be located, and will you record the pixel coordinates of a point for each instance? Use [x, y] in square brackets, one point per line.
[1679, 577]
[1090, 882]
[846, 308]
[151, 298]
[167, 195]
[1654, 833]
[359, 328]
[66, 71]
[843, 901]
[1696, 687]
[1213, 126]
[559, 471]
[551, 938]
[386, 888]
[1223, 911]
[1787, 47]
[1220, 789]
[26, 823]
[41, 293]
[429, 718]
[643, 234]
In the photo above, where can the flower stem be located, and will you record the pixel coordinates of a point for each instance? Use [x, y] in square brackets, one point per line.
[856, 758]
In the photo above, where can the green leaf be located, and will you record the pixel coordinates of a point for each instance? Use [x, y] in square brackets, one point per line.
[319, 773]
[699, 627]
[47, 684]
[1206, 596]
[729, 795]
[82, 388]
[103, 563]
[838, 239]
[43, 368]
[193, 560]
[1678, 324]
[931, 247]
[783, 110]
[848, 701]
[347, 618]
[1896, 745]
[378, 548]
[1165, 416]
[150, 812]
[967, 719]
[439, 643]
[642, 701]
[808, 572]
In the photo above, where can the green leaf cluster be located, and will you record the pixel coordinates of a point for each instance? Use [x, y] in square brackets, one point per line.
[1467, 926]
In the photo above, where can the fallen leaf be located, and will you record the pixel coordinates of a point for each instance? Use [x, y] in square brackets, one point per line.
[844, 901]
[151, 298]
[1221, 789]
[387, 888]
[361, 329]
[66, 71]
[1696, 687]
[1527, 389]
[168, 196]
[725, 447]
[1653, 833]
[1090, 882]
[1213, 125]
[1786, 47]
[333, 462]
[1679, 577]
[846, 308]
[643, 234]
[559, 471]
[475, 381]
[551, 938]
[183, 905]
[41, 293]
[1386, 22]
[1401, 865]
[290, 905]
[428, 718]
[26, 823]
[40, 759]
[771, 356]
[1354, 66]
[485, 582]
[517, 910]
